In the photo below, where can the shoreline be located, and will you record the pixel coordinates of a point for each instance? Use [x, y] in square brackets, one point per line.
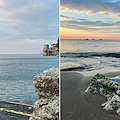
[76, 104]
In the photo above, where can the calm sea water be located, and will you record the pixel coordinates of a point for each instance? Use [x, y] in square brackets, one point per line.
[84, 55]
[17, 73]
[78, 46]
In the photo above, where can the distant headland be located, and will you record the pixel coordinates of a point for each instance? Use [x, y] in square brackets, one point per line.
[51, 51]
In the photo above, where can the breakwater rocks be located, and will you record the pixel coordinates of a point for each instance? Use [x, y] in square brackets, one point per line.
[108, 88]
[47, 87]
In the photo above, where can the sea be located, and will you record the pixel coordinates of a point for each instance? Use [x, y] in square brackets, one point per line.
[17, 72]
[90, 55]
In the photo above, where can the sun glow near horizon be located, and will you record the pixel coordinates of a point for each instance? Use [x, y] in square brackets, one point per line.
[67, 33]
[92, 20]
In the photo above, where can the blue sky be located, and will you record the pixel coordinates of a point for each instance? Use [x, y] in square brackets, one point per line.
[91, 17]
[26, 25]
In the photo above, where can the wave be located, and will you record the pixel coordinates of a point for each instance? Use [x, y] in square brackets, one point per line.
[90, 54]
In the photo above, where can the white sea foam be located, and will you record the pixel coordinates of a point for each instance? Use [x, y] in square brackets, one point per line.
[92, 54]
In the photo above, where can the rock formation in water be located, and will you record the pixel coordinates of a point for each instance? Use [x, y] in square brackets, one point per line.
[47, 87]
[108, 88]
[51, 51]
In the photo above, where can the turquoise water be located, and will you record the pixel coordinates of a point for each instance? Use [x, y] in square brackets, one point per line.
[17, 73]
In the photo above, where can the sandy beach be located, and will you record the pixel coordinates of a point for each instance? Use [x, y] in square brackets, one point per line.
[78, 105]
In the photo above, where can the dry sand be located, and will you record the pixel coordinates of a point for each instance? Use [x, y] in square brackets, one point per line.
[78, 105]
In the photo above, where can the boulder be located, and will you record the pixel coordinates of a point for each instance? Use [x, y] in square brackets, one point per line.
[47, 87]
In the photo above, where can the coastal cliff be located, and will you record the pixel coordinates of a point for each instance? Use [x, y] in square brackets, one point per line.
[47, 87]
[51, 51]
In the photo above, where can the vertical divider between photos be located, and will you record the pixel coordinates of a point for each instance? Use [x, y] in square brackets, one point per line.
[59, 66]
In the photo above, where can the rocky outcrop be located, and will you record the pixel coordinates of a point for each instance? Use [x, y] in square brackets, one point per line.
[47, 87]
[50, 51]
[108, 88]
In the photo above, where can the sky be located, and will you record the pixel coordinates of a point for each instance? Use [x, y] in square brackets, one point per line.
[26, 25]
[94, 19]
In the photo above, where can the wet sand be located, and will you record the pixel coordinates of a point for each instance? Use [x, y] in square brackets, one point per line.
[78, 105]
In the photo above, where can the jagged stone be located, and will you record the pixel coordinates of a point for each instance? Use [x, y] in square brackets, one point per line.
[47, 87]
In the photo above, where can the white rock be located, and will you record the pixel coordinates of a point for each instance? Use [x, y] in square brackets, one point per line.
[118, 111]
[107, 88]
[47, 88]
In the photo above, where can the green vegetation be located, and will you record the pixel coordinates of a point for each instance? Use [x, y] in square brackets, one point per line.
[99, 76]
[57, 44]
[104, 82]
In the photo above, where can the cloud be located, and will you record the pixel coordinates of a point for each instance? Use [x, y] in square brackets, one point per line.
[90, 25]
[107, 19]
[30, 40]
[29, 19]
[104, 7]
